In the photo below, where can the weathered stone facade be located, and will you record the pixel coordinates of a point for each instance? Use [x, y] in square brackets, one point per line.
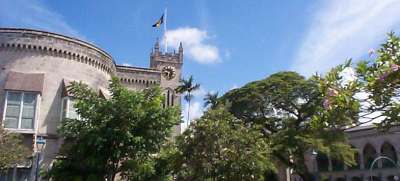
[62, 59]
[370, 144]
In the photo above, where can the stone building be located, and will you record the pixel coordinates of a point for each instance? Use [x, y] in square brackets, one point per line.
[36, 67]
[371, 145]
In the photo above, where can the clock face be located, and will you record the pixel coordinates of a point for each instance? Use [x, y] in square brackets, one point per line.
[168, 72]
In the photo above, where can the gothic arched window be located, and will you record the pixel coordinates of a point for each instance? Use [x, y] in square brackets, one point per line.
[388, 150]
[169, 97]
[369, 156]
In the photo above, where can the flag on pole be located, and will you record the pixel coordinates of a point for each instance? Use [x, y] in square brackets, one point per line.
[159, 22]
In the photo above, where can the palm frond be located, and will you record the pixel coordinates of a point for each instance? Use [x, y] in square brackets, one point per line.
[211, 99]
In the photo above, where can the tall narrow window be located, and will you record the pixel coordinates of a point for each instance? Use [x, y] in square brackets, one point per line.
[20, 110]
[13, 109]
[164, 102]
[28, 111]
[172, 100]
[68, 109]
[168, 98]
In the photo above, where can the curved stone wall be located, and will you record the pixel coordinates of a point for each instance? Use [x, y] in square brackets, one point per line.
[57, 57]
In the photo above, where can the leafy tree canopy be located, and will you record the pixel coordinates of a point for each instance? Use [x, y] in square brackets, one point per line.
[218, 147]
[12, 150]
[211, 100]
[119, 135]
[290, 111]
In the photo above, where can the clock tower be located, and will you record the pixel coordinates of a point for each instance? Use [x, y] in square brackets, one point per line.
[170, 65]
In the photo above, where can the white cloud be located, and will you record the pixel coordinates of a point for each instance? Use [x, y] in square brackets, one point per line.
[204, 53]
[196, 107]
[196, 111]
[34, 14]
[199, 93]
[194, 42]
[342, 29]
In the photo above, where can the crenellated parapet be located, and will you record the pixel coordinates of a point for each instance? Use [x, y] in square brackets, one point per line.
[143, 77]
[158, 58]
[46, 43]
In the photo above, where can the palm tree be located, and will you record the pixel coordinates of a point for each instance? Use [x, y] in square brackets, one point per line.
[211, 99]
[187, 86]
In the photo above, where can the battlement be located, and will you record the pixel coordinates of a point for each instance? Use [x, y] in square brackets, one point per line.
[157, 56]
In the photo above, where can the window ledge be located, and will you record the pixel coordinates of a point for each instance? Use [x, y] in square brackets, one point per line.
[23, 131]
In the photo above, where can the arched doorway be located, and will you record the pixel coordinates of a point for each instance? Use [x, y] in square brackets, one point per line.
[369, 156]
[388, 150]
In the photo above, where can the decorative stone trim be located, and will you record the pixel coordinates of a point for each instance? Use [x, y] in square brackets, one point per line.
[60, 53]
[137, 75]
[139, 81]
[130, 69]
[56, 45]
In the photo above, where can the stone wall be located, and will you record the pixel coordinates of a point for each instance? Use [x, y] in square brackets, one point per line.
[138, 78]
[58, 58]
[62, 58]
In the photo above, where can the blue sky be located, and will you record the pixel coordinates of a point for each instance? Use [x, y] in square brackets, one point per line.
[227, 43]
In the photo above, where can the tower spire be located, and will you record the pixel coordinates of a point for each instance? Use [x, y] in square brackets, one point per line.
[180, 51]
[180, 47]
[157, 46]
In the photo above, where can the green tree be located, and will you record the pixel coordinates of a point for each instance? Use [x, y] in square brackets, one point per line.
[219, 147]
[164, 163]
[12, 150]
[211, 99]
[187, 86]
[114, 136]
[291, 113]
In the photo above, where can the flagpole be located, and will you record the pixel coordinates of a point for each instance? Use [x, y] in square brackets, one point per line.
[165, 31]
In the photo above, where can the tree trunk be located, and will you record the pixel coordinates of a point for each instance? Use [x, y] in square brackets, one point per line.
[188, 121]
